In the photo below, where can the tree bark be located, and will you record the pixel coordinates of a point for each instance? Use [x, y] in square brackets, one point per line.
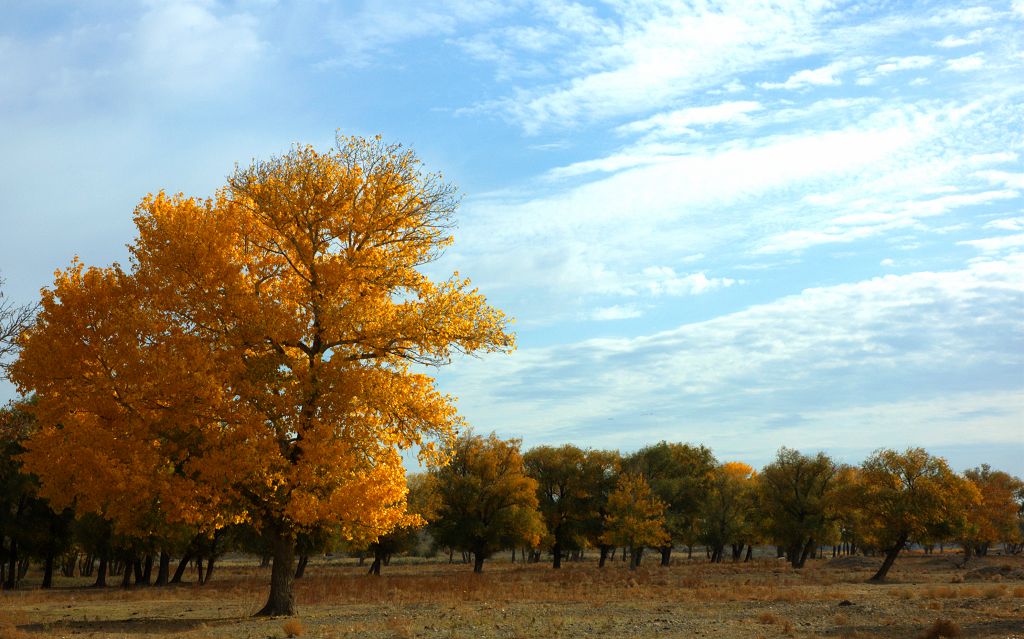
[603, 557]
[163, 572]
[750, 553]
[281, 601]
[556, 550]
[378, 557]
[478, 562]
[300, 570]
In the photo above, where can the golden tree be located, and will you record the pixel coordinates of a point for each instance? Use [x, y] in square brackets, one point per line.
[636, 517]
[258, 362]
[906, 496]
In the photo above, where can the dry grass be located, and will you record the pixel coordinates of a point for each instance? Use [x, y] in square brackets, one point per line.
[435, 601]
[941, 628]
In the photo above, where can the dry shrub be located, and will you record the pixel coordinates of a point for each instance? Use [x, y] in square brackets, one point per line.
[995, 592]
[770, 618]
[1018, 591]
[942, 628]
[940, 592]
[957, 579]
[840, 619]
[293, 628]
[970, 591]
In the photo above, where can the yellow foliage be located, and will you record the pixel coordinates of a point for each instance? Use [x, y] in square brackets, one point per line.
[256, 361]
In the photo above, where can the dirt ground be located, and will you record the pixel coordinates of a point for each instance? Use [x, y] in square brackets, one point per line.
[924, 597]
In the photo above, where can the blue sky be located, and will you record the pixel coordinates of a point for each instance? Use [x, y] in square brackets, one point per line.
[744, 224]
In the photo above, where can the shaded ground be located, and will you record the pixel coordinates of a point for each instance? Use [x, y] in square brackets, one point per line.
[761, 599]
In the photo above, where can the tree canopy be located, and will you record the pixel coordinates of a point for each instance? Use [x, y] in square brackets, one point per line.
[256, 361]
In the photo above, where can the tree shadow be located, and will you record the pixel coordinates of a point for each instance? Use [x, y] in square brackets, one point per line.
[140, 625]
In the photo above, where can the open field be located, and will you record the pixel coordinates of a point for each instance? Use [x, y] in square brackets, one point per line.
[763, 598]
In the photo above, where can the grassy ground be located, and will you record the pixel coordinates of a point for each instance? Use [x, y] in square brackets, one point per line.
[925, 597]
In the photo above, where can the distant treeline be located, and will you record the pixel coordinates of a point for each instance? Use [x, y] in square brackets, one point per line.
[554, 502]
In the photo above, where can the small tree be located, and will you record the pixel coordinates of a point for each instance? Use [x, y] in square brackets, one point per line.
[994, 516]
[14, 318]
[485, 499]
[727, 509]
[905, 496]
[796, 496]
[636, 517]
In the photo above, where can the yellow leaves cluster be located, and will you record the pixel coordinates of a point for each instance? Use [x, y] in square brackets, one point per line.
[636, 517]
[256, 361]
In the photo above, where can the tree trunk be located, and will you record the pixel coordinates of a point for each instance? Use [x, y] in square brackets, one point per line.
[750, 553]
[126, 575]
[163, 572]
[603, 557]
[556, 550]
[890, 558]
[179, 572]
[281, 601]
[200, 575]
[300, 570]
[689, 551]
[209, 568]
[378, 557]
[12, 567]
[147, 569]
[478, 562]
[137, 569]
[101, 572]
[48, 570]
[666, 555]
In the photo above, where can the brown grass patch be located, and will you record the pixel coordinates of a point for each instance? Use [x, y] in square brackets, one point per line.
[942, 628]
[293, 628]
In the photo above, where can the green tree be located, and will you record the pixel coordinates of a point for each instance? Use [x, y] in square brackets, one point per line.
[796, 494]
[485, 499]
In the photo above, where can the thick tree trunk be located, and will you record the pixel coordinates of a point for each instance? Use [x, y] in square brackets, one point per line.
[101, 573]
[603, 556]
[281, 601]
[147, 570]
[137, 569]
[164, 571]
[666, 555]
[890, 558]
[750, 553]
[802, 554]
[556, 550]
[300, 570]
[179, 572]
[378, 558]
[126, 575]
[478, 562]
[48, 570]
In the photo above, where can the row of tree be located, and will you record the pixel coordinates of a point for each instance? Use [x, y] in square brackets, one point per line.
[561, 500]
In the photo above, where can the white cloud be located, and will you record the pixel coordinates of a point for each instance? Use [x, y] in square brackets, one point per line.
[971, 62]
[888, 262]
[1007, 224]
[616, 312]
[907, 62]
[681, 121]
[996, 244]
[822, 76]
[662, 280]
